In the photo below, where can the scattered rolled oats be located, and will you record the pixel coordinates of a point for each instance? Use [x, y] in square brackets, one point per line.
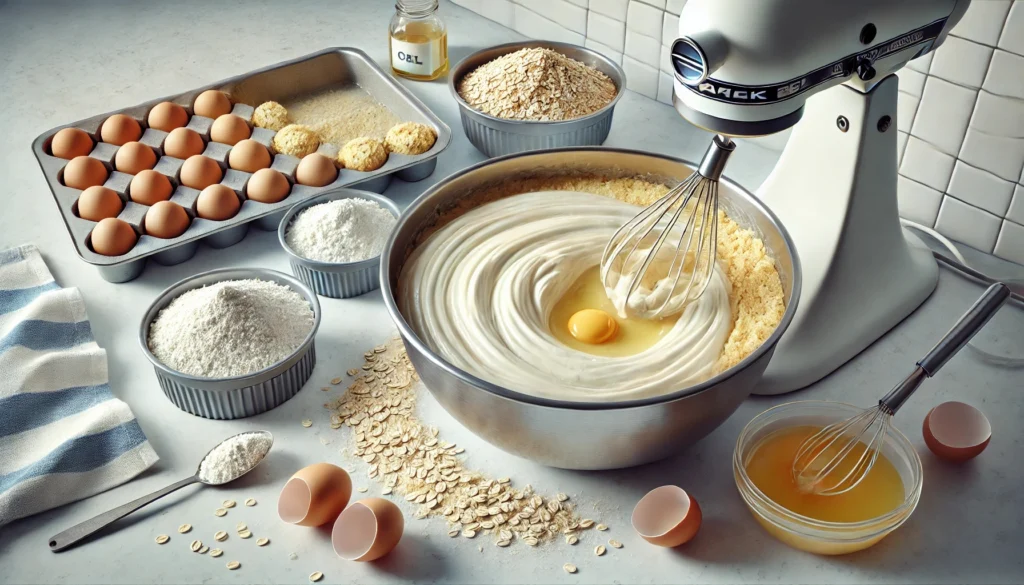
[569, 568]
[184, 528]
[241, 526]
[228, 503]
[315, 576]
[234, 565]
[220, 512]
[162, 539]
[615, 543]
[599, 550]
[196, 545]
[203, 550]
[336, 381]
[602, 527]
[220, 536]
[245, 534]
[216, 552]
[263, 542]
[307, 423]
[361, 489]
[250, 502]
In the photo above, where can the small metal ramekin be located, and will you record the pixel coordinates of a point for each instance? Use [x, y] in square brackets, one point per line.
[334, 279]
[495, 136]
[240, 396]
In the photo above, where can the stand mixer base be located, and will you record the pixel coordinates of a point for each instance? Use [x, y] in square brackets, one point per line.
[835, 191]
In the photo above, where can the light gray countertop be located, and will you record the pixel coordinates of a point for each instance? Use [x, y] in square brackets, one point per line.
[61, 62]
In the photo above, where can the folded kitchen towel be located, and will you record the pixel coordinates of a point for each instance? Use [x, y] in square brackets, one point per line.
[63, 434]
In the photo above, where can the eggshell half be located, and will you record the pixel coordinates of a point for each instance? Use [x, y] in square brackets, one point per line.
[956, 431]
[667, 516]
[367, 530]
[315, 495]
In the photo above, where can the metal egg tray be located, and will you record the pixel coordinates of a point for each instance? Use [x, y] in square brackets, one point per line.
[338, 68]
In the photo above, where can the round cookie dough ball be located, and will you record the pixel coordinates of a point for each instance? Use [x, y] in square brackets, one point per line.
[410, 138]
[270, 115]
[296, 140]
[363, 154]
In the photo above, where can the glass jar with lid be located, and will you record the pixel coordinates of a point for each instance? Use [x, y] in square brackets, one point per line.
[418, 40]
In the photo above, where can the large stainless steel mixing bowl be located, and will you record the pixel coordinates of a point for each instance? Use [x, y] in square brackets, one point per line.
[583, 435]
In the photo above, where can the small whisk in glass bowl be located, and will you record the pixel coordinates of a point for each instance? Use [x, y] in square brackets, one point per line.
[652, 267]
[838, 457]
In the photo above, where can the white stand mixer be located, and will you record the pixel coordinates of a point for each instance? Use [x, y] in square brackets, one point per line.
[749, 72]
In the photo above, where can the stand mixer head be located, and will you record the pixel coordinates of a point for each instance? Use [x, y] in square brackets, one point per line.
[746, 68]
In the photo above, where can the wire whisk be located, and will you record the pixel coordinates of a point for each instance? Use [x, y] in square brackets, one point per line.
[646, 278]
[838, 457]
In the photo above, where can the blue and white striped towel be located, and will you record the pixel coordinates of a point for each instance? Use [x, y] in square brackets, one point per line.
[63, 434]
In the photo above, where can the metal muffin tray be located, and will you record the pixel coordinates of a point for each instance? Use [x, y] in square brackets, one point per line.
[337, 67]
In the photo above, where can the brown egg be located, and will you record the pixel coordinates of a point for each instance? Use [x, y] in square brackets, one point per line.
[316, 170]
[84, 171]
[315, 495]
[667, 516]
[229, 129]
[98, 202]
[199, 172]
[112, 237]
[267, 186]
[167, 116]
[166, 220]
[956, 431]
[183, 143]
[367, 530]
[249, 156]
[119, 129]
[217, 202]
[68, 143]
[212, 104]
[134, 157]
[150, 187]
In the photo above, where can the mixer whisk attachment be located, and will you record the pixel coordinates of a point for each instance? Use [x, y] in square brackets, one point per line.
[652, 266]
[838, 457]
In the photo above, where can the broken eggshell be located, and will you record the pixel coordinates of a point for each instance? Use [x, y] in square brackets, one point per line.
[315, 495]
[956, 431]
[367, 530]
[667, 516]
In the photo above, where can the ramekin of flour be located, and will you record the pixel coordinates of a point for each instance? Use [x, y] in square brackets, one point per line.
[334, 241]
[233, 342]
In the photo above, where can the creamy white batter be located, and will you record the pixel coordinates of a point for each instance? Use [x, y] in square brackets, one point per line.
[479, 292]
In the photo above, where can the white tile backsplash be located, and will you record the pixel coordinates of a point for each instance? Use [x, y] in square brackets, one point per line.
[535, 26]
[961, 62]
[998, 155]
[607, 31]
[640, 77]
[943, 114]
[604, 50]
[968, 224]
[500, 11]
[1010, 244]
[613, 8]
[980, 188]
[1012, 38]
[644, 19]
[960, 150]
[643, 48]
[1005, 75]
[925, 164]
[918, 202]
[562, 12]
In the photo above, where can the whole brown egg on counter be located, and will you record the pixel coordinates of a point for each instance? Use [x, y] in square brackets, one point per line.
[316, 170]
[68, 143]
[119, 129]
[167, 116]
[134, 157]
[212, 104]
[199, 172]
[150, 187]
[98, 202]
[249, 156]
[267, 186]
[82, 172]
[217, 202]
[229, 129]
[183, 143]
[113, 237]
[166, 220]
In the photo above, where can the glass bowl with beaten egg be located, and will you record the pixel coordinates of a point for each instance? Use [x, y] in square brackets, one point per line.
[822, 524]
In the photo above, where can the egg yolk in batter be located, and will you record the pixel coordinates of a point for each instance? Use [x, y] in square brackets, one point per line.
[584, 319]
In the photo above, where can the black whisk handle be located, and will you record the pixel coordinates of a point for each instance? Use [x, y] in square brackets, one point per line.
[968, 325]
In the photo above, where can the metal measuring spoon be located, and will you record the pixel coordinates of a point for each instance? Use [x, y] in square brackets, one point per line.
[79, 532]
